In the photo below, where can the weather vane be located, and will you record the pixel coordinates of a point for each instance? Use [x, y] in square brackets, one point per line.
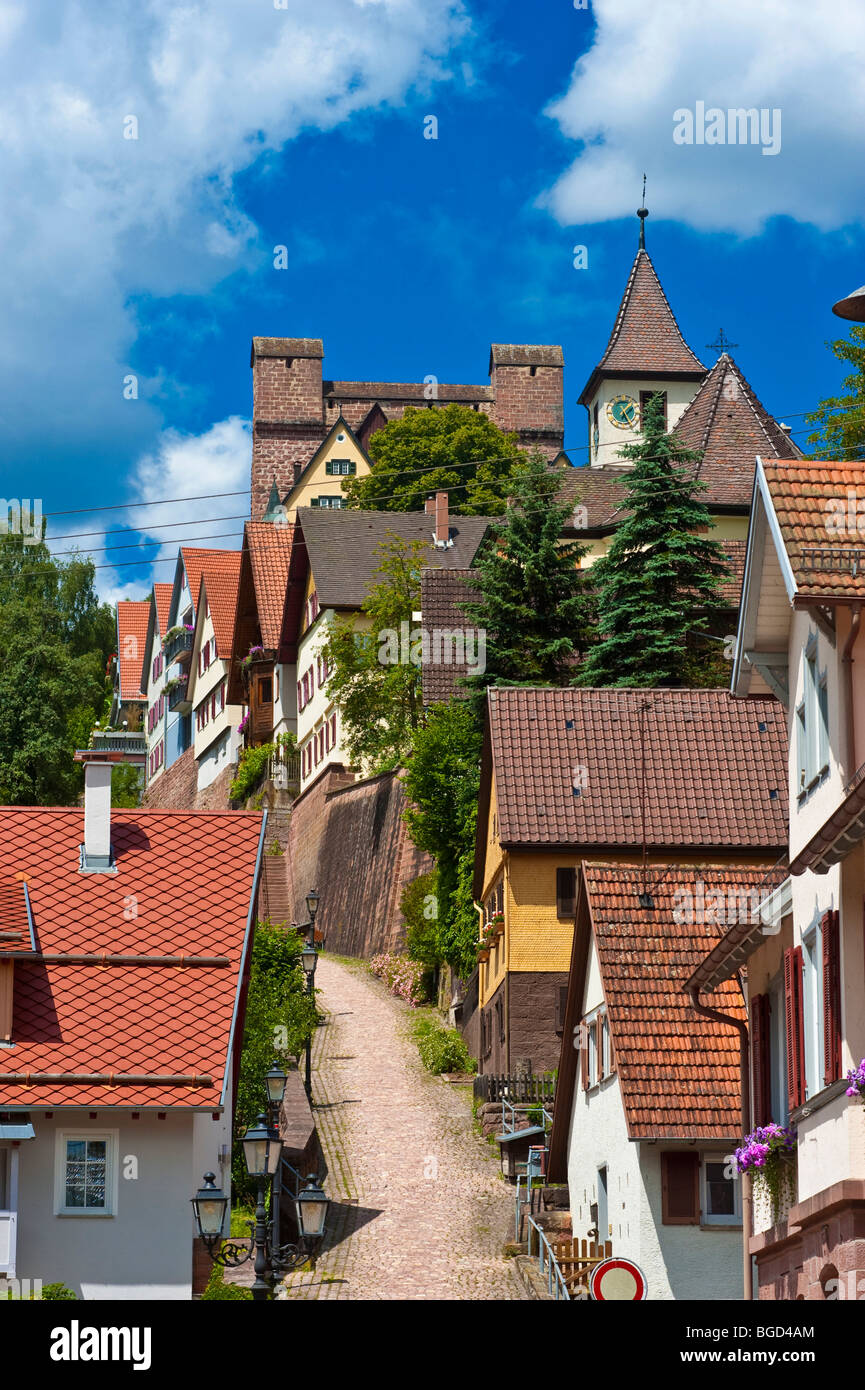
[643, 213]
[722, 343]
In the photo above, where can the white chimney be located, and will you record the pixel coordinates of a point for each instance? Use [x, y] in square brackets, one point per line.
[97, 816]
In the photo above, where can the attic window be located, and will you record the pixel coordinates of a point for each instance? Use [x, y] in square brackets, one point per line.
[566, 892]
[340, 439]
[533, 371]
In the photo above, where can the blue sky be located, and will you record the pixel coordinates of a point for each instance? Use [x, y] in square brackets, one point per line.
[303, 125]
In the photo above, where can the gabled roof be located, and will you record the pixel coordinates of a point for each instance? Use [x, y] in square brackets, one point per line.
[715, 770]
[343, 547]
[340, 426]
[261, 594]
[731, 427]
[824, 546]
[192, 877]
[132, 620]
[443, 592]
[162, 598]
[158, 618]
[678, 1072]
[646, 339]
[219, 584]
[198, 562]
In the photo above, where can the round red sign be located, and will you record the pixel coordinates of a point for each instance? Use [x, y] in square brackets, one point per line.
[617, 1279]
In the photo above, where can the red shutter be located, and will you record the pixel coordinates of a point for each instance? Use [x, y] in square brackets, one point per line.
[680, 1189]
[760, 1058]
[793, 1003]
[830, 933]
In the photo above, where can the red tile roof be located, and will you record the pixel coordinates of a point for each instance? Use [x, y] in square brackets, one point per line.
[198, 562]
[810, 498]
[678, 1071]
[162, 597]
[132, 619]
[269, 548]
[15, 930]
[712, 766]
[183, 886]
[220, 584]
[646, 337]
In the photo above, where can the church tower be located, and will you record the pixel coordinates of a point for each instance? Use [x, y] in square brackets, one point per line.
[646, 353]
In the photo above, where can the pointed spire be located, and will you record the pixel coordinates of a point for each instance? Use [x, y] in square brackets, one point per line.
[728, 423]
[642, 213]
[275, 510]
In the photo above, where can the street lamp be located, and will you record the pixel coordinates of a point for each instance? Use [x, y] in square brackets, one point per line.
[852, 307]
[309, 960]
[312, 901]
[262, 1152]
[275, 1081]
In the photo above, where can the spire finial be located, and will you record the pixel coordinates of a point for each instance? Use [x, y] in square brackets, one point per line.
[643, 213]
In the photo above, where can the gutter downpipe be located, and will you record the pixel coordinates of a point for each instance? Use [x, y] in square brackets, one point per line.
[847, 667]
[745, 1086]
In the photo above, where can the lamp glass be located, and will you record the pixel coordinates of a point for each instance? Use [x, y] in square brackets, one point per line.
[210, 1205]
[309, 959]
[275, 1082]
[312, 901]
[262, 1149]
[312, 1204]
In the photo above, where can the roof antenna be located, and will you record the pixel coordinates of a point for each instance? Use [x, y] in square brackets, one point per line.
[643, 213]
[644, 898]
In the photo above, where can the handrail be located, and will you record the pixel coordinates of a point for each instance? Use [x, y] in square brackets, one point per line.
[556, 1285]
[509, 1125]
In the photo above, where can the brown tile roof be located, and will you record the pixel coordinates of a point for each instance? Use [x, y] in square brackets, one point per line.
[731, 589]
[269, 548]
[162, 597]
[716, 768]
[646, 338]
[192, 876]
[810, 500]
[132, 620]
[343, 547]
[731, 427]
[442, 593]
[220, 585]
[678, 1071]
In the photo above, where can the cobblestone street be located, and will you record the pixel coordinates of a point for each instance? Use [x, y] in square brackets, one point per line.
[419, 1210]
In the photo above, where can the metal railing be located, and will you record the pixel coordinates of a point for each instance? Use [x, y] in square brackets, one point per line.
[547, 1263]
[520, 1111]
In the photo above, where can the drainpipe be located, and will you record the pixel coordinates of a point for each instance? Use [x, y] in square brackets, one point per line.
[745, 1086]
[847, 668]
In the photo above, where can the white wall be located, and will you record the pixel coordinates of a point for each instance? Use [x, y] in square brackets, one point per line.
[145, 1250]
[611, 439]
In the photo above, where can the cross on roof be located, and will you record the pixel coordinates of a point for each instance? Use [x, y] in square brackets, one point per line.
[722, 344]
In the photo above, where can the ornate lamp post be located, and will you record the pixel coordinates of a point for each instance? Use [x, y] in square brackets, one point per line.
[309, 960]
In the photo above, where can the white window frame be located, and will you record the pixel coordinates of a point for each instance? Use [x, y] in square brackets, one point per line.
[112, 1174]
[812, 720]
[706, 1219]
[812, 992]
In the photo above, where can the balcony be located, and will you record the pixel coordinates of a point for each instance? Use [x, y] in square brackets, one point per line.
[177, 644]
[177, 692]
[133, 744]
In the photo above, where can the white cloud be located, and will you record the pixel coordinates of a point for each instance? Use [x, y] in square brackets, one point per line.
[179, 466]
[89, 219]
[650, 60]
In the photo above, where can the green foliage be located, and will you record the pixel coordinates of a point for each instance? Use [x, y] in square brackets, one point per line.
[252, 765]
[841, 419]
[217, 1289]
[441, 1049]
[280, 1016]
[442, 780]
[58, 1293]
[450, 447]
[658, 583]
[534, 603]
[127, 785]
[379, 701]
[56, 639]
[419, 907]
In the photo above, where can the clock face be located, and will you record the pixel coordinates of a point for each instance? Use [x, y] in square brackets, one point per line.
[622, 412]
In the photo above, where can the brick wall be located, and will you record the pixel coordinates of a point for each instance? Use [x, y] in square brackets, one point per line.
[294, 408]
[177, 788]
[351, 843]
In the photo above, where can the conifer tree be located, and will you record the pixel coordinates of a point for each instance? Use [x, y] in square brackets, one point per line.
[657, 585]
[534, 604]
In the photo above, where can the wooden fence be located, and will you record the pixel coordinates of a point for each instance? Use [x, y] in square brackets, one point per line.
[519, 1090]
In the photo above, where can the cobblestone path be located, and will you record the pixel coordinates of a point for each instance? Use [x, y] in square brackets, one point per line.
[419, 1210]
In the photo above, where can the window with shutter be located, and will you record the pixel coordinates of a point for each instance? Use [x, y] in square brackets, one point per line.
[794, 1016]
[599, 1048]
[830, 932]
[584, 1055]
[566, 892]
[680, 1189]
[760, 1064]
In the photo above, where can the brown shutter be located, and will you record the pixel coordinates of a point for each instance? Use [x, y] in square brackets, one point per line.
[680, 1189]
[830, 933]
[793, 1003]
[599, 1045]
[760, 1058]
[584, 1054]
[561, 1004]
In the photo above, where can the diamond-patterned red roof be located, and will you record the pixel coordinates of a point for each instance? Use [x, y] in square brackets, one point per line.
[183, 887]
[132, 619]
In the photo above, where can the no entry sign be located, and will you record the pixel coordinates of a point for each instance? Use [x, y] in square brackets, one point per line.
[617, 1279]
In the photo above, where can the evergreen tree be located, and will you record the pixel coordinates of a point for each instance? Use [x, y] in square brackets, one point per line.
[657, 585]
[841, 419]
[534, 604]
[450, 448]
